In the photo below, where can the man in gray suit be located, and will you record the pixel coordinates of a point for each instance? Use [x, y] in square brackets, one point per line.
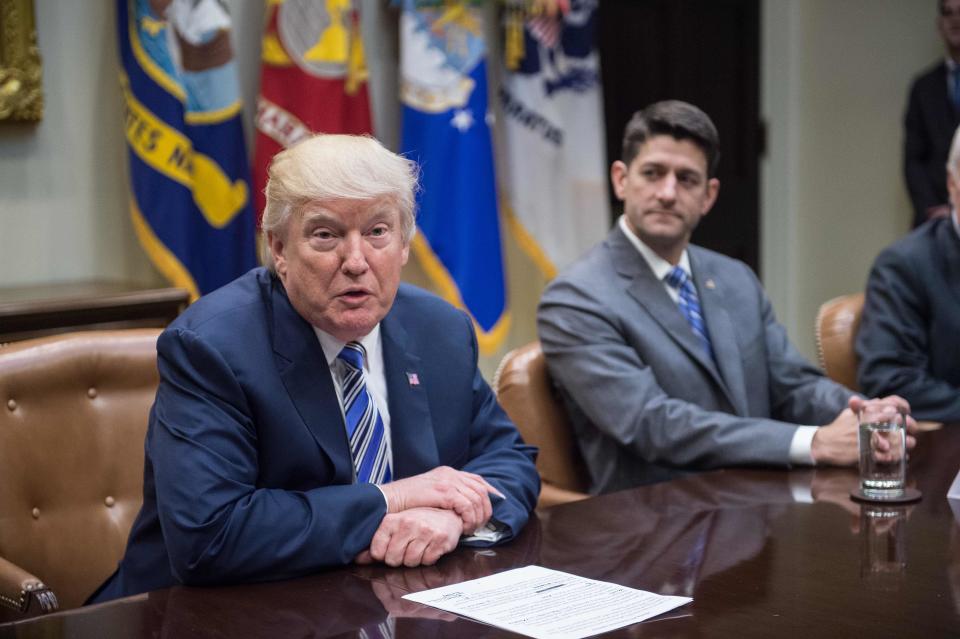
[668, 356]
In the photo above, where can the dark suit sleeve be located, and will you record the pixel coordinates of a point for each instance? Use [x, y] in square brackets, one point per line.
[893, 343]
[218, 525]
[499, 455]
[917, 152]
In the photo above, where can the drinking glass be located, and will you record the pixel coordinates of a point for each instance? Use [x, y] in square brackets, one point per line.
[883, 451]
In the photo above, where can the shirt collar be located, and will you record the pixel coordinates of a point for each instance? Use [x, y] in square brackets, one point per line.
[332, 346]
[951, 64]
[658, 265]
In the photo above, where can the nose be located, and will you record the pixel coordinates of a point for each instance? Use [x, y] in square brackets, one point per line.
[353, 259]
[667, 193]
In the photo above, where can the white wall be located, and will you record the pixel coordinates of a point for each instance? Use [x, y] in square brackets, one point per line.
[835, 75]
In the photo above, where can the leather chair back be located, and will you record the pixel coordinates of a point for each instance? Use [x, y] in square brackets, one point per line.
[73, 416]
[524, 390]
[837, 323]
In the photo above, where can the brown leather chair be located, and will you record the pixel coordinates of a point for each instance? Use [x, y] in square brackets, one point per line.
[837, 325]
[524, 390]
[73, 415]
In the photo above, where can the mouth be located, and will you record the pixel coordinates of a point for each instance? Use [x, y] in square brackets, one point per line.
[355, 295]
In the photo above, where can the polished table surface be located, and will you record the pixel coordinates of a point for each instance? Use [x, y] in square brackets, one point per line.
[757, 561]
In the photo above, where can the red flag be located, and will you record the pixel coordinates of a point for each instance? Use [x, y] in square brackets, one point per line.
[313, 78]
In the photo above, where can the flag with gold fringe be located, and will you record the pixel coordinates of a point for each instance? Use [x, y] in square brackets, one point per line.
[189, 176]
[313, 78]
[443, 90]
[555, 191]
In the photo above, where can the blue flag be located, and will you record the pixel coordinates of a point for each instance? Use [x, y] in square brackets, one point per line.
[190, 180]
[444, 95]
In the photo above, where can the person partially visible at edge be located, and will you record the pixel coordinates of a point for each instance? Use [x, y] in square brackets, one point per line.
[668, 355]
[908, 342]
[318, 412]
[933, 112]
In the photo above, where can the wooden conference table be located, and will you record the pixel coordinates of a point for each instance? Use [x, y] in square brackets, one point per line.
[757, 562]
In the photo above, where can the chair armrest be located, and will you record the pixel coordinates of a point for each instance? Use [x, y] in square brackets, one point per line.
[18, 589]
[551, 495]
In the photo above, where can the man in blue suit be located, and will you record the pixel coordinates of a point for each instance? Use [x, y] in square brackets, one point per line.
[317, 412]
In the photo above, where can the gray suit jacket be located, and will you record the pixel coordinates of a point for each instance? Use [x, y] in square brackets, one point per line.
[644, 398]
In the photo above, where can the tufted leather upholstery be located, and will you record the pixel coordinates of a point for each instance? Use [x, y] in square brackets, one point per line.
[73, 415]
[524, 390]
[837, 325]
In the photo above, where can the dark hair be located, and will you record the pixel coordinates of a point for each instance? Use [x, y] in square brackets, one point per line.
[677, 119]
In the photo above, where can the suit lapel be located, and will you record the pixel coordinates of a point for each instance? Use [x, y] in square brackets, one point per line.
[411, 429]
[648, 291]
[304, 371]
[723, 336]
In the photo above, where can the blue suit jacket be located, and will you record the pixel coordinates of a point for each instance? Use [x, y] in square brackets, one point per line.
[909, 337]
[248, 473]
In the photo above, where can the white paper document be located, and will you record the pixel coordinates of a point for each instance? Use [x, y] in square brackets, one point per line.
[539, 602]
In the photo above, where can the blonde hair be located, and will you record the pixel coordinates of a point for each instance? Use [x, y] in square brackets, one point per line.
[336, 167]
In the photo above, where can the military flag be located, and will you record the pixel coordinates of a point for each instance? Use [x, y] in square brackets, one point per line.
[555, 183]
[443, 90]
[313, 78]
[189, 176]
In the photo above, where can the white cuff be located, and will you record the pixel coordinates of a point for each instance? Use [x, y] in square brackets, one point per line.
[386, 503]
[800, 446]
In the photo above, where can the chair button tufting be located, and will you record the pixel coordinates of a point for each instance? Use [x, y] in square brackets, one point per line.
[36, 513]
[12, 404]
[109, 501]
[91, 392]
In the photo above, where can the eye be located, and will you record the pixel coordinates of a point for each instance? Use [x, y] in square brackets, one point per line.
[378, 231]
[322, 234]
[650, 172]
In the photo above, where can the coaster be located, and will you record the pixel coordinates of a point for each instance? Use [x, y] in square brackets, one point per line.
[909, 495]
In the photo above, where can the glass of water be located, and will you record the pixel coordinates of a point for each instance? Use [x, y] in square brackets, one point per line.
[883, 451]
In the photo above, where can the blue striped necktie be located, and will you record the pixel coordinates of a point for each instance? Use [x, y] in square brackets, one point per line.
[368, 443]
[689, 305]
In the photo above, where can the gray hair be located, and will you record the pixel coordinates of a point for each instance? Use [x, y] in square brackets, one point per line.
[336, 167]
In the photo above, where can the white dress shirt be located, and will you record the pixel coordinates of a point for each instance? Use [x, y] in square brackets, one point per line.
[803, 437]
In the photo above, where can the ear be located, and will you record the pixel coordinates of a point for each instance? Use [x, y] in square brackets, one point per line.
[953, 188]
[405, 254]
[713, 190]
[618, 178]
[275, 241]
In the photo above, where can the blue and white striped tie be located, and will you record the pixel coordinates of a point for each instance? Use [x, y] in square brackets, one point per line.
[368, 443]
[689, 305]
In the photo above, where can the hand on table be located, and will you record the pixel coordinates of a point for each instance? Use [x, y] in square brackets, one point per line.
[466, 494]
[836, 444]
[414, 537]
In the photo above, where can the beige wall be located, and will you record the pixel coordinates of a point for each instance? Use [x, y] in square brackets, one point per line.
[834, 80]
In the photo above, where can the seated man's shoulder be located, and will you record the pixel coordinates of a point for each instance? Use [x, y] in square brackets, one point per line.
[914, 247]
[229, 309]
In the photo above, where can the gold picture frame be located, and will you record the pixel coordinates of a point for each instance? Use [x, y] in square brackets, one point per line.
[21, 90]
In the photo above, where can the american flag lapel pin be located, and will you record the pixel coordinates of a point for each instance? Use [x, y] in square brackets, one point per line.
[413, 379]
[710, 284]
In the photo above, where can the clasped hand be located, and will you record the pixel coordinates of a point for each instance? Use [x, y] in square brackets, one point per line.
[426, 514]
[837, 443]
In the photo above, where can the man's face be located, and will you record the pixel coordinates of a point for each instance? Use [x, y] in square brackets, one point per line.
[949, 23]
[340, 263]
[665, 192]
